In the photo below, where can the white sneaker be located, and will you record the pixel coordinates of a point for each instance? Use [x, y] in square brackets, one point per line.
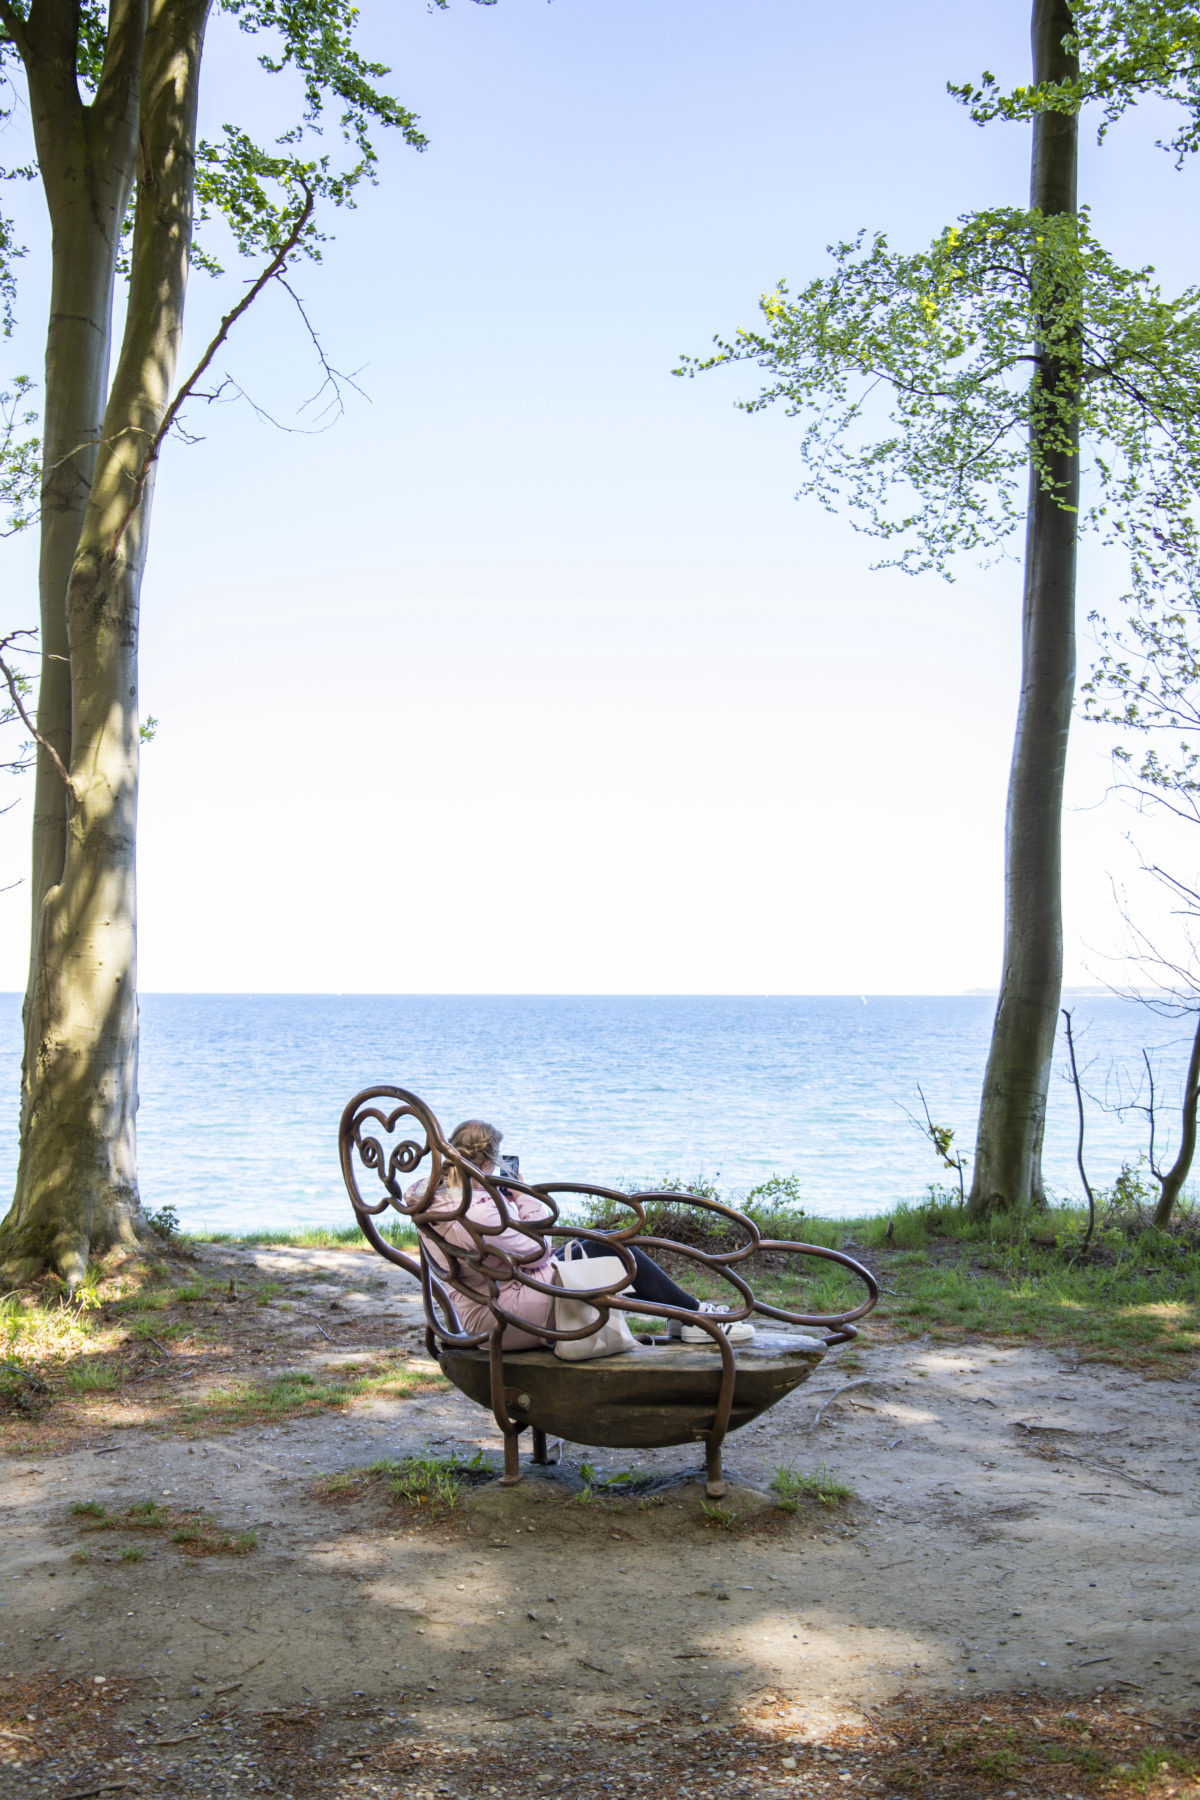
[738, 1331]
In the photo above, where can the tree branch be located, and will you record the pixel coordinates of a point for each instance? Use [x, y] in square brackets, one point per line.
[14, 26]
[1154, 1169]
[275, 267]
[31, 728]
[1087, 1186]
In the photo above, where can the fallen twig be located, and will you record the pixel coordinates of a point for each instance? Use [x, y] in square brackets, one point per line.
[864, 1381]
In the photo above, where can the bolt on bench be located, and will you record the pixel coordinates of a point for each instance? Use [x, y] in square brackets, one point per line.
[664, 1391]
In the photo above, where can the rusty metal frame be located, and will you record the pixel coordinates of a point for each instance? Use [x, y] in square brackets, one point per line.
[476, 1270]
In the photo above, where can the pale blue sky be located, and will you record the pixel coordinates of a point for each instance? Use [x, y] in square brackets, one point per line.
[538, 602]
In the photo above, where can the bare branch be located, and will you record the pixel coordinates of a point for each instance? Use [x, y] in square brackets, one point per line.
[275, 267]
[1087, 1186]
[47, 746]
[1150, 1110]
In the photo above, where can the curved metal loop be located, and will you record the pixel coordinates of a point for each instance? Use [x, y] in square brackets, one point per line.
[359, 1139]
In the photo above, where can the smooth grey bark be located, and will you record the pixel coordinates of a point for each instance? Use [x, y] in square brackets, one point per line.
[86, 159]
[1008, 1145]
[1171, 1183]
[77, 1177]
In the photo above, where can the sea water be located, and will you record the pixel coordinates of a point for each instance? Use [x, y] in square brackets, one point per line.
[241, 1094]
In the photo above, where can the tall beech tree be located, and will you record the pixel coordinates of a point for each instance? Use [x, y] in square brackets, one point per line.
[945, 397]
[1146, 679]
[1007, 1174]
[112, 104]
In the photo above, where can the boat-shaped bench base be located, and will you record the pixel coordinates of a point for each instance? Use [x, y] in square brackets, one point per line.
[657, 1394]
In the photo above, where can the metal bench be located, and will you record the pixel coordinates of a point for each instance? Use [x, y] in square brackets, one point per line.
[664, 1391]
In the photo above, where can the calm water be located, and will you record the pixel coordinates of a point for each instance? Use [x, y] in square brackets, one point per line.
[241, 1095]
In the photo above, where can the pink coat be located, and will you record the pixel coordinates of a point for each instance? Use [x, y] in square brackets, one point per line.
[525, 1302]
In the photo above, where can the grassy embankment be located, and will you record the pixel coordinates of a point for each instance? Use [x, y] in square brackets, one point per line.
[1132, 1297]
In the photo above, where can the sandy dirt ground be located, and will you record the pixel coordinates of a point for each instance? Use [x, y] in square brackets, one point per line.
[1024, 1525]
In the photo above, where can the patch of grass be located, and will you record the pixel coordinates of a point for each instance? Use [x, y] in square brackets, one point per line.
[42, 1323]
[311, 1237]
[90, 1377]
[145, 1329]
[302, 1391]
[200, 1535]
[146, 1300]
[793, 1487]
[196, 1532]
[145, 1515]
[1154, 1763]
[1134, 1301]
[196, 1290]
[723, 1517]
[433, 1482]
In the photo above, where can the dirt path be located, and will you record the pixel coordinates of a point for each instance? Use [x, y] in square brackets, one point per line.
[1022, 1524]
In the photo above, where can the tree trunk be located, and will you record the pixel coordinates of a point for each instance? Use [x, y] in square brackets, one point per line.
[1171, 1184]
[77, 1177]
[1007, 1174]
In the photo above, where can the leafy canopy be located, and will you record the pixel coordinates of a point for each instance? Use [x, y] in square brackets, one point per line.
[925, 382]
[1146, 678]
[1126, 49]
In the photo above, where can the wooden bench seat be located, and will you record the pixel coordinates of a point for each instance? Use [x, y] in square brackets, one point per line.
[660, 1393]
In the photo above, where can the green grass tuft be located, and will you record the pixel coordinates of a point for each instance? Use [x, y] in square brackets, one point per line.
[433, 1482]
[723, 1517]
[92, 1378]
[301, 1391]
[822, 1485]
[311, 1237]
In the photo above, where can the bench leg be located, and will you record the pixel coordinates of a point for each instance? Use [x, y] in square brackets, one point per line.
[714, 1486]
[512, 1460]
[546, 1450]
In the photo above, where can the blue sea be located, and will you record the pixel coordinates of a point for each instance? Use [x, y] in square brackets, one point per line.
[241, 1094]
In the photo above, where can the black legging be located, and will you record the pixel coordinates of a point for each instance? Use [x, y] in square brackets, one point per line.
[650, 1283]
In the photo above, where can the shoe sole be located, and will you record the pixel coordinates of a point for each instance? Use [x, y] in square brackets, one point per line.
[705, 1337]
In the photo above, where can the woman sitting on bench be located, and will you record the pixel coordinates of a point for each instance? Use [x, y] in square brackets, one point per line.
[480, 1143]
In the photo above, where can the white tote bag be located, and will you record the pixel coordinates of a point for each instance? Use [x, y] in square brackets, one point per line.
[574, 1271]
